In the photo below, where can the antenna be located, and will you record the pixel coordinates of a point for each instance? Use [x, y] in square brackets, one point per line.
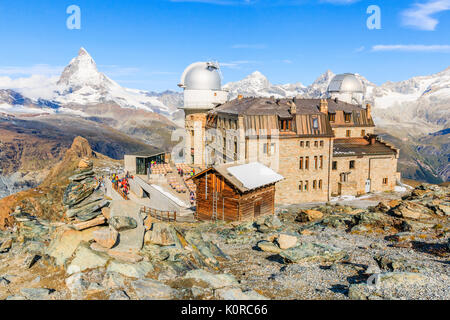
[216, 65]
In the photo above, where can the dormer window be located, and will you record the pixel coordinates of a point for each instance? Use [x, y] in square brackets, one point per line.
[286, 125]
[332, 117]
[347, 117]
[316, 123]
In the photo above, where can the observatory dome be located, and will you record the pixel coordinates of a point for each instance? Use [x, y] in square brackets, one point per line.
[346, 83]
[201, 76]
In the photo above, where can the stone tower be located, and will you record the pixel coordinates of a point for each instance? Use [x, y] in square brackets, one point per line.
[202, 86]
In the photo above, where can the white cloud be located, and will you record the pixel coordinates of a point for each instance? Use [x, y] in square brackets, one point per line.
[360, 49]
[38, 69]
[420, 15]
[35, 86]
[412, 48]
[237, 64]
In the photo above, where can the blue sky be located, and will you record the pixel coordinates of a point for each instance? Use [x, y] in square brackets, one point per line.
[146, 44]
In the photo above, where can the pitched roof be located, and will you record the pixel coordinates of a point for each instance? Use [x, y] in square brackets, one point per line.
[254, 175]
[360, 147]
[246, 177]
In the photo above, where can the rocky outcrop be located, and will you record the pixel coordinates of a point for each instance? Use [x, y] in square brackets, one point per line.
[309, 215]
[123, 223]
[82, 197]
[313, 252]
[389, 285]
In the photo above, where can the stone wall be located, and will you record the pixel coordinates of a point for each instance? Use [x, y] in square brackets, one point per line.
[356, 132]
[195, 122]
[287, 191]
[375, 168]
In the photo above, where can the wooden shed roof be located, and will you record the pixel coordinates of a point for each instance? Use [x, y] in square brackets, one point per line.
[235, 180]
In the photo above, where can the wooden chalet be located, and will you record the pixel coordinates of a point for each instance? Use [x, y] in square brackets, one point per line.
[234, 192]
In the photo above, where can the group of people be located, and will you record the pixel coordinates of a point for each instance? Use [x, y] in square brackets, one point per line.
[181, 172]
[121, 184]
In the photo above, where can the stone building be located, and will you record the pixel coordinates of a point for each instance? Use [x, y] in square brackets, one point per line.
[202, 84]
[323, 147]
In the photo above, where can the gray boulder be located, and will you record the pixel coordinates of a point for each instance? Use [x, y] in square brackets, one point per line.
[152, 290]
[313, 252]
[122, 223]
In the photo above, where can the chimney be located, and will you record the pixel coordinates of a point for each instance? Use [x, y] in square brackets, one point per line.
[369, 110]
[372, 139]
[240, 97]
[323, 106]
[293, 109]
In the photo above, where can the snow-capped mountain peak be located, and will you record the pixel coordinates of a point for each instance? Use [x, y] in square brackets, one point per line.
[256, 84]
[81, 72]
[81, 83]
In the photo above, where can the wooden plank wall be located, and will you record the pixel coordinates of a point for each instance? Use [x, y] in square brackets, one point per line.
[231, 206]
[266, 198]
[227, 202]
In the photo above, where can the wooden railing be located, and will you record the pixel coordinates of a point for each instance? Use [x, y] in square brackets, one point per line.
[167, 216]
[119, 191]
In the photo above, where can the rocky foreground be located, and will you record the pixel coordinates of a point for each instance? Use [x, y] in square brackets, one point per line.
[105, 249]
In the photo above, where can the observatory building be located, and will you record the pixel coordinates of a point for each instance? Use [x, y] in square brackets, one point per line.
[202, 84]
[322, 147]
[346, 87]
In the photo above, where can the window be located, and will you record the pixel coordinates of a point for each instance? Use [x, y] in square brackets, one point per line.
[347, 117]
[321, 162]
[321, 144]
[272, 149]
[301, 163]
[315, 184]
[334, 165]
[224, 142]
[300, 186]
[348, 134]
[306, 185]
[235, 146]
[385, 181]
[352, 164]
[302, 144]
[265, 148]
[307, 144]
[363, 133]
[316, 144]
[316, 123]
[307, 163]
[316, 162]
[286, 125]
[332, 117]
[320, 184]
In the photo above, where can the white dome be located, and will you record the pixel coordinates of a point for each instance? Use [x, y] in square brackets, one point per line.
[201, 76]
[346, 83]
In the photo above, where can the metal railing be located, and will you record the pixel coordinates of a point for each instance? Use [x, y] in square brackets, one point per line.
[167, 216]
